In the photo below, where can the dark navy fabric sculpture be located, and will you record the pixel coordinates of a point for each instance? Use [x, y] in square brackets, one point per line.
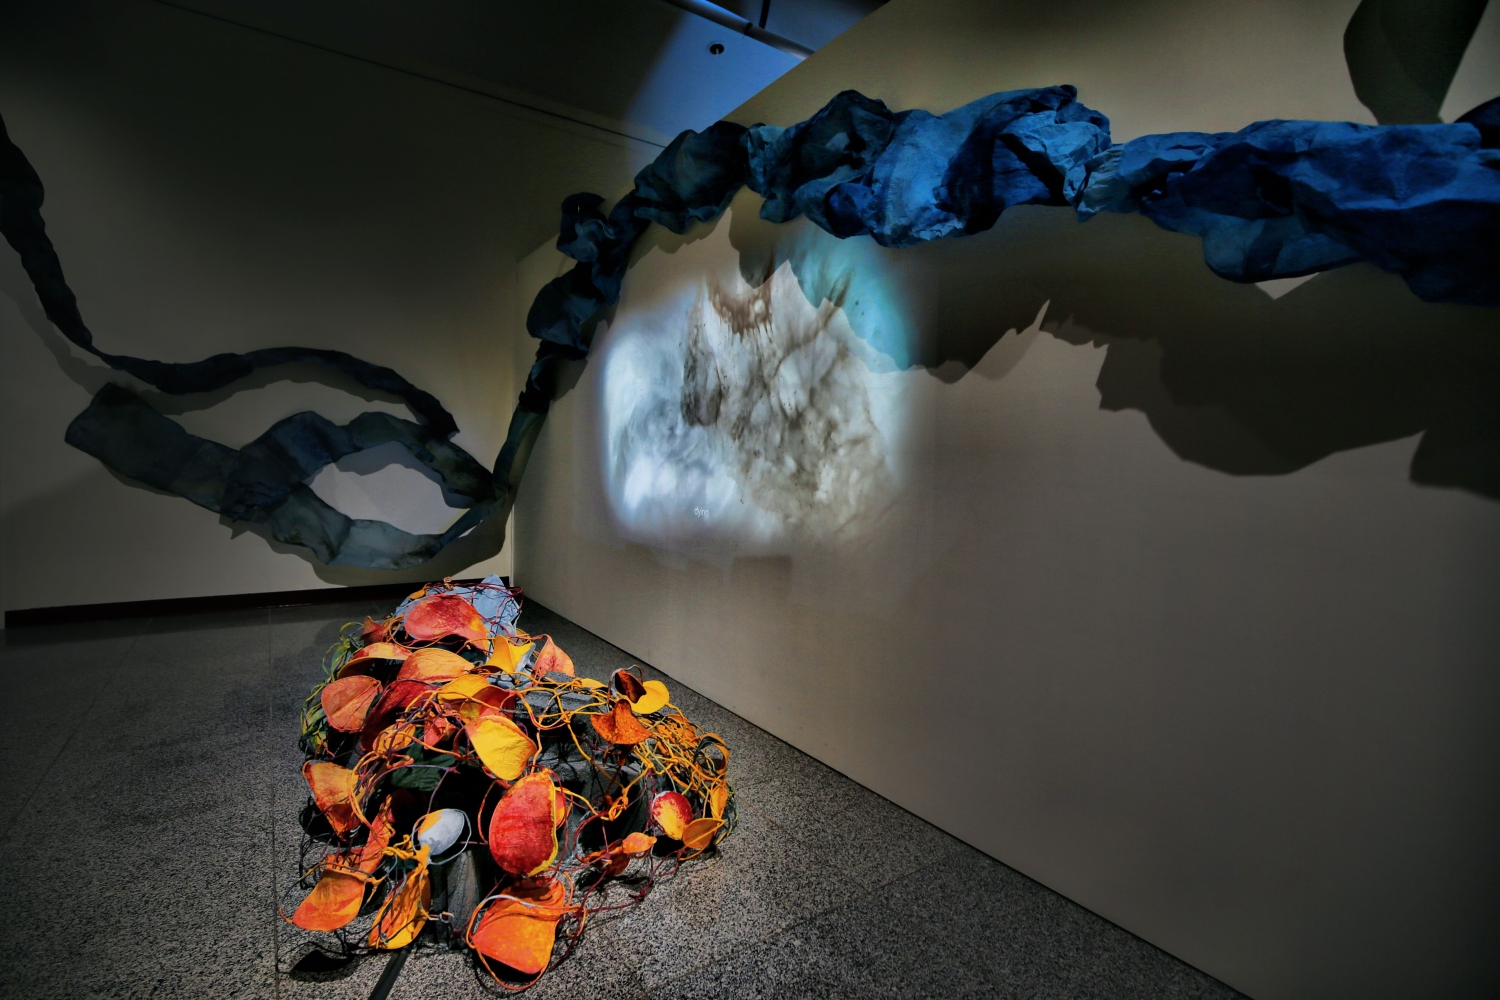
[1276, 199]
[1281, 199]
[858, 169]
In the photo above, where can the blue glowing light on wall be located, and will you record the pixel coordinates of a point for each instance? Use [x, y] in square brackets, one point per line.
[745, 418]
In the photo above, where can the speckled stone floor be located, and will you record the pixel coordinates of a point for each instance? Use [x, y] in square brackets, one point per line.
[150, 791]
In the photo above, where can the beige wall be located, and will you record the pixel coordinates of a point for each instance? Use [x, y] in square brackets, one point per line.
[1142, 598]
[212, 188]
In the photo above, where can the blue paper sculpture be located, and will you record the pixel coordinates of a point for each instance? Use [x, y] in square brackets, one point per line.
[1276, 199]
[1280, 199]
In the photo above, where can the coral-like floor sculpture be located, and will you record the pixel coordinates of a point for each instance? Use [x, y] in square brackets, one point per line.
[469, 790]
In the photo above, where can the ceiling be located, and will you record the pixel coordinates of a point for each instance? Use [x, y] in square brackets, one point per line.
[641, 67]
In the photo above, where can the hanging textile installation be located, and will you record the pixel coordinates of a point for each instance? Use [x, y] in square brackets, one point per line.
[467, 784]
[1277, 199]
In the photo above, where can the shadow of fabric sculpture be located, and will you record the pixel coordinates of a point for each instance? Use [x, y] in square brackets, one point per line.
[1277, 199]
[1229, 378]
[1403, 54]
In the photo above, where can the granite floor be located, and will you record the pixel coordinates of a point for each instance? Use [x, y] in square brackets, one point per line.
[151, 791]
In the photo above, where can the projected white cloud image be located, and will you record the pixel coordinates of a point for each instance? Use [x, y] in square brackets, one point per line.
[744, 415]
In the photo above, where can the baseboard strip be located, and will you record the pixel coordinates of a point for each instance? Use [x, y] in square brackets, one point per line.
[72, 614]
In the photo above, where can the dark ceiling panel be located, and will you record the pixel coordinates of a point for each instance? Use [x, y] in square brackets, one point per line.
[814, 23]
[641, 64]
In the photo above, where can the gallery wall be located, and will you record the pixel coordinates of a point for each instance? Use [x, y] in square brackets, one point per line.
[215, 188]
[1179, 596]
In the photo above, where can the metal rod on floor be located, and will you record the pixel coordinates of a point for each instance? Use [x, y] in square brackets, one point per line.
[718, 15]
[388, 976]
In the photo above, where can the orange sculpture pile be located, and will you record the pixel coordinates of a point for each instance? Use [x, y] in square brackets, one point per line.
[468, 790]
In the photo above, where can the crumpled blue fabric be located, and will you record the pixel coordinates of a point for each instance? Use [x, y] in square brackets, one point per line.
[692, 180]
[795, 168]
[1486, 118]
[856, 168]
[1280, 199]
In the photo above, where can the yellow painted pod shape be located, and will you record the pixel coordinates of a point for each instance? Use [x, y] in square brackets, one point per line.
[672, 813]
[402, 915]
[718, 798]
[519, 934]
[333, 790]
[501, 745]
[508, 655]
[462, 688]
[700, 833]
[348, 700]
[333, 902]
[638, 843]
[655, 699]
[433, 665]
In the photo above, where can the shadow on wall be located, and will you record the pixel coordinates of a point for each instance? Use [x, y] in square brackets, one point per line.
[91, 375]
[1228, 377]
[482, 543]
[1403, 55]
[76, 501]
